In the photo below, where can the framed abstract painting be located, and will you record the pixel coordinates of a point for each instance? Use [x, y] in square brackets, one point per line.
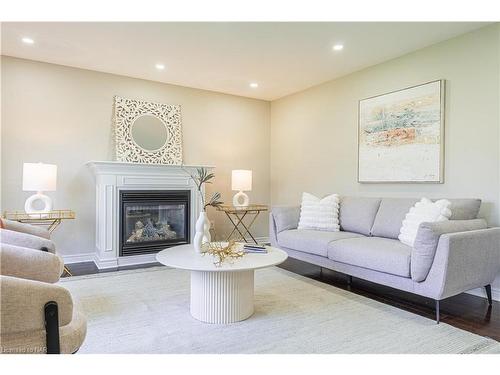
[401, 136]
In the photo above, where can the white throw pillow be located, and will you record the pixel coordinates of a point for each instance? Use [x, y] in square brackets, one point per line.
[319, 214]
[423, 211]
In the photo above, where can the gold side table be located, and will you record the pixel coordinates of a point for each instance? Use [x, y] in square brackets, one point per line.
[50, 219]
[238, 215]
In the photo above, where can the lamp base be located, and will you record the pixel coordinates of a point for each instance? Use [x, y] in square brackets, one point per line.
[237, 197]
[30, 209]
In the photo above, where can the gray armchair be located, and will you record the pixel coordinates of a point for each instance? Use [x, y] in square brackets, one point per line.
[36, 315]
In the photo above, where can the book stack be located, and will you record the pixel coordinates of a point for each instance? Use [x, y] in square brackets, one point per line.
[256, 249]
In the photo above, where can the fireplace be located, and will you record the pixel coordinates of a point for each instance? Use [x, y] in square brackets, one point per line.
[152, 220]
[113, 179]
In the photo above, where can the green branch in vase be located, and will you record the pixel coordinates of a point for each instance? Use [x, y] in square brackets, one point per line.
[203, 176]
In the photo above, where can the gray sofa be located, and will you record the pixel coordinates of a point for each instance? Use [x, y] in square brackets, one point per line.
[447, 258]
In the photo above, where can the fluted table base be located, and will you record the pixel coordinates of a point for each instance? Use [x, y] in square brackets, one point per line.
[222, 297]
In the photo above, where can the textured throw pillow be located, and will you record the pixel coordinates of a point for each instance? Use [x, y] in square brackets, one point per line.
[423, 211]
[319, 214]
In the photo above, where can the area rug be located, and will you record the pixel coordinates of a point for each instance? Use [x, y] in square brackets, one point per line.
[147, 311]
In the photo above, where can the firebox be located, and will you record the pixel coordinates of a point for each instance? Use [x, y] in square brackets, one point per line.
[152, 220]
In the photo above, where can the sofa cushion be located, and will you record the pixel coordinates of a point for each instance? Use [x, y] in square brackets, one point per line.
[464, 209]
[311, 241]
[390, 216]
[357, 214]
[375, 253]
[427, 240]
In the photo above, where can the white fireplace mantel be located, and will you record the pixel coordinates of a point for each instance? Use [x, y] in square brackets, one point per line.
[111, 177]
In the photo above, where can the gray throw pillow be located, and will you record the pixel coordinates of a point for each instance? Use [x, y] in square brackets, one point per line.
[357, 214]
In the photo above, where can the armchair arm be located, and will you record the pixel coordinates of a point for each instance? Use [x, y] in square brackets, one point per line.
[26, 228]
[463, 261]
[22, 304]
[282, 218]
[30, 264]
[26, 240]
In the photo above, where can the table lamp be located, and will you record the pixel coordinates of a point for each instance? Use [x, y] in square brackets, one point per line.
[39, 177]
[241, 180]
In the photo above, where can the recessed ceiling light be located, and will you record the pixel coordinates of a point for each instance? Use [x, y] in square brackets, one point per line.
[27, 40]
[160, 66]
[254, 85]
[338, 47]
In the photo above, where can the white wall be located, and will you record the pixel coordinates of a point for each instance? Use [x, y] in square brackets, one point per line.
[314, 132]
[63, 116]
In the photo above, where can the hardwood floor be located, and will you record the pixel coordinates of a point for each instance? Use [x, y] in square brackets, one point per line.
[464, 311]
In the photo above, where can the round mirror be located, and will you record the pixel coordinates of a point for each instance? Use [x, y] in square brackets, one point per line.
[149, 132]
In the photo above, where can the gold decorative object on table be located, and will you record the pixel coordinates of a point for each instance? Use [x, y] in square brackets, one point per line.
[223, 251]
[237, 216]
[50, 219]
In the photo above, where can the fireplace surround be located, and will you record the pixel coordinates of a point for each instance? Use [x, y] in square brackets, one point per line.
[115, 180]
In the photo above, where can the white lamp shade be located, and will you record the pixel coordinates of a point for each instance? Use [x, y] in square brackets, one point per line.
[39, 177]
[241, 180]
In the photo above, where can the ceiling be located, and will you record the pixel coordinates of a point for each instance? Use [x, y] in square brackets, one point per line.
[282, 57]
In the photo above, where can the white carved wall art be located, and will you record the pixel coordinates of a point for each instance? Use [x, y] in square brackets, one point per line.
[129, 147]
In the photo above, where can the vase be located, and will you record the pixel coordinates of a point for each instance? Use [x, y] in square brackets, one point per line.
[206, 232]
[202, 233]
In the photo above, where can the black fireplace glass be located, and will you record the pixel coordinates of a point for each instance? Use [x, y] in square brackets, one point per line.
[154, 222]
[151, 221]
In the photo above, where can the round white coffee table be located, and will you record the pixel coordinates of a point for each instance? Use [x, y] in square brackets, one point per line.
[220, 294]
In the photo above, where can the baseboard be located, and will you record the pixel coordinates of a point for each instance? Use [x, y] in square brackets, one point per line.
[480, 292]
[105, 263]
[137, 259]
[78, 258]
[124, 261]
[262, 239]
[258, 239]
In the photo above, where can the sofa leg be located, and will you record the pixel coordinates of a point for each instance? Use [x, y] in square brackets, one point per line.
[349, 279]
[437, 311]
[52, 328]
[488, 294]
